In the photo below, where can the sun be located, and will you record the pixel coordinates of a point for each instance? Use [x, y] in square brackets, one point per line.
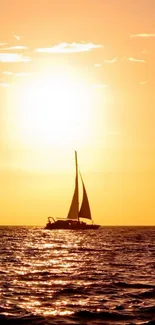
[54, 110]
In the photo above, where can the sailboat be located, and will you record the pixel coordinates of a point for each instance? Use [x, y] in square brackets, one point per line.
[73, 220]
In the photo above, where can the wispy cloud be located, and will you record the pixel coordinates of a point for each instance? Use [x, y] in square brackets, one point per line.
[17, 47]
[69, 48]
[16, 74]
[98, 86]
[143, 82]
[7, 73]
[145, 51]
[136, 60]
[3, 44]
[4, 84]
[16, 37]
[22, 74]
[97, 65]
[110, 61]
[142, 35]
[13, 57]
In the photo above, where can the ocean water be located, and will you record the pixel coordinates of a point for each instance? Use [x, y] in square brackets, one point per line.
[106, 276]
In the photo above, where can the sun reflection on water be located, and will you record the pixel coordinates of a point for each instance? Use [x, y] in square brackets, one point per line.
[57, 313]
[59, 274]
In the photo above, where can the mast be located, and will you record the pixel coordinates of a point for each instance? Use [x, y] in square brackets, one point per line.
[74, 208]
[77, 186]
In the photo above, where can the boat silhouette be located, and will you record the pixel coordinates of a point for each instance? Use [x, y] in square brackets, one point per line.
[75, 214]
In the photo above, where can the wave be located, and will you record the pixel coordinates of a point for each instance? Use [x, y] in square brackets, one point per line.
[91, 279]
[146, 295]
[19, 316]
[134, 285]
[150, 310]
[152, 322]
[79, 317]
[85, 314]
[22, 320]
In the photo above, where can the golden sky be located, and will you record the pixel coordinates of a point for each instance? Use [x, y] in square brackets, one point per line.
[77, 74]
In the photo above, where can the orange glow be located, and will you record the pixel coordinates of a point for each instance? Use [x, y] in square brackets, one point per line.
[54, 111]
[77, 75]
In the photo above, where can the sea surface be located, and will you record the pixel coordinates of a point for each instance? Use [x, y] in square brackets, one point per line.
[104, 276]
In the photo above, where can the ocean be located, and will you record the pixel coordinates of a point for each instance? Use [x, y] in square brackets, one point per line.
[104, 276]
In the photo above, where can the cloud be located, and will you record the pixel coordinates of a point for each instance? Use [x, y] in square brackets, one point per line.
[110, 61]
[143, 82]
[13, 57]
[4, 84]
[7, 73]
[136, 60]
[97, 65]
[3, 44]
[145, 51]
[16, 74]
[18, 47]
[142, 35]
[98, 86]
[16, 37]
[69, 48]
[22, 74]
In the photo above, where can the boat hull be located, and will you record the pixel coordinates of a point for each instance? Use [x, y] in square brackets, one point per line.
[70, 225]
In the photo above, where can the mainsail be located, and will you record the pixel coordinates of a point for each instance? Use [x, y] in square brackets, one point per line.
[85, 208]
[74, 212]
[74, 208]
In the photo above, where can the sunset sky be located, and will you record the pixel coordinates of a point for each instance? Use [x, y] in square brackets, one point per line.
[77, 74]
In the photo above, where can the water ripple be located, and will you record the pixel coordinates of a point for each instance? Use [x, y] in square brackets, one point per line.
[68, 277]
